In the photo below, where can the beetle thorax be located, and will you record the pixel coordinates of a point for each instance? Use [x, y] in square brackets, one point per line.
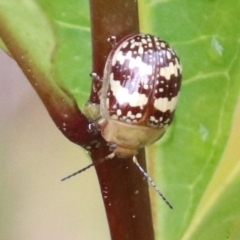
[128, 138]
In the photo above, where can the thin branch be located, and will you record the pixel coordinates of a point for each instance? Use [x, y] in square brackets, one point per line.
[124, 190]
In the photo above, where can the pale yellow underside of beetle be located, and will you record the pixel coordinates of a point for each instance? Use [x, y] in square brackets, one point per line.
[128, 137]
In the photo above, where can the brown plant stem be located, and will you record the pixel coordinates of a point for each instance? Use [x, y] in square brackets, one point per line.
[124, 191]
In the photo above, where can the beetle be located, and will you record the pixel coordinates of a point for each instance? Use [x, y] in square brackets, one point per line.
[141, 85]
[140, 89]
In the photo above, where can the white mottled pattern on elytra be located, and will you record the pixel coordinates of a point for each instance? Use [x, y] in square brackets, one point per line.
[163, 104]
[119, 112]
[145, 86]
[161, 89]
[172, 69]
[153, 119]
[163, 45]
[130, 116]
[169, 55]
[144, 41]
[134, 44]
[150, 45]
[118, 55]
[143, 68]
[124, 44]
[140, 50]
[129, 113]
[138, 115]
[123, 96]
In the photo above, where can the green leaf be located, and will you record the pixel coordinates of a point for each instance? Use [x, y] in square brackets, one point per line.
[205, 35]
[56, 35]
[37, 36]
[72, 57]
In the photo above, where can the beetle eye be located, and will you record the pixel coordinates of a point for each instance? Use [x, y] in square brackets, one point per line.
[112, 147]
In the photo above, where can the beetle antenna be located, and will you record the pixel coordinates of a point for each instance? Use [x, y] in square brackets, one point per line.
[90, 165]
[152, 182]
